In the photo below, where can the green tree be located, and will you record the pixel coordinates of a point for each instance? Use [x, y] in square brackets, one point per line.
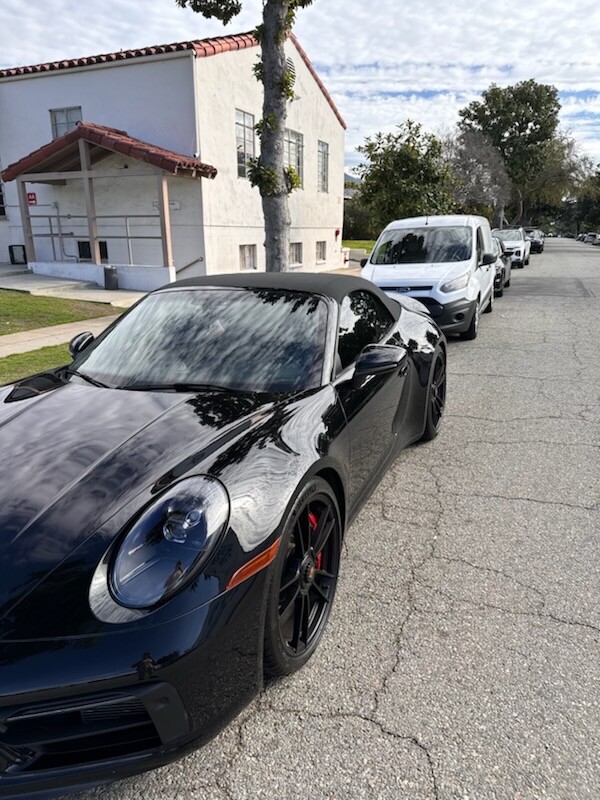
[562, 171]
[274, 180]
[404, 175]
[520, 121]
[358, 220]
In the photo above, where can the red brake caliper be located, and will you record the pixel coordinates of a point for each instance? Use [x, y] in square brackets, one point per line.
[312, 524]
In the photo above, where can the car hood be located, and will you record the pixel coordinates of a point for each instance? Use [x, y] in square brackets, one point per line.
[416, 275]
[513, 243]
[72, 456]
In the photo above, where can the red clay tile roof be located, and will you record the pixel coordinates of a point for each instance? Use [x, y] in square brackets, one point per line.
[116, 141]
[201, 47]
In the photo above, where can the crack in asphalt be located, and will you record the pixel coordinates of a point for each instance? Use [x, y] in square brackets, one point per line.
[493, 607]
[371, 721]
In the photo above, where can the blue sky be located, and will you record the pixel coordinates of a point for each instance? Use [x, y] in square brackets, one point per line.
[383, 61]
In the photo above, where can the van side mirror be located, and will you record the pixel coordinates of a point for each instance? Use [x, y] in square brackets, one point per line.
[364, 262]
[378, 359]
[80, 342]
[488, 258]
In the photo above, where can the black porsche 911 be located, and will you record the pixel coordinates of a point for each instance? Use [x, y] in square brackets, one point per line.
[172, 508]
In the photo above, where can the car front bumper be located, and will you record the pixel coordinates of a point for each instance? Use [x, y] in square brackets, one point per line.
[76, 713]
[454, 317]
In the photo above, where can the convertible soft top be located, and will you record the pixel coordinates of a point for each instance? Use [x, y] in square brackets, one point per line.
[323, 283]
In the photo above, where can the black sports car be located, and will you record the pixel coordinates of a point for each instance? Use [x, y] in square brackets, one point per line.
[173, 505]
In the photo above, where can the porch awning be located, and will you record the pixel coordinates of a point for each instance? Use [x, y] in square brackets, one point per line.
[63, 154]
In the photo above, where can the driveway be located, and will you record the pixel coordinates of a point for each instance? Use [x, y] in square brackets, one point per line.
[462, 658]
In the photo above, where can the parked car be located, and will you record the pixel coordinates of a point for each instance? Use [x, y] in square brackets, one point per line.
[445, 262]
[503, 267]
[174, 511]
[536, 237]
[569, 235]
[581, 237]
[590, 238]
[516, 244]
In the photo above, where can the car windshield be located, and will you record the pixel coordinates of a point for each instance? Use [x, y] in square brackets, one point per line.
[509, 235]
[425, 245]
[257, 340]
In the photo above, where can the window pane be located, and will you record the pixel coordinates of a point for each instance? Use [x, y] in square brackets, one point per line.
[293, 153]
[321, 251]
[267, 341]
[323, 167]
[296, 253]
[64, 119]
[244, 134]
[247, 256]
[431, 245]
[73, 116]
[363, 320]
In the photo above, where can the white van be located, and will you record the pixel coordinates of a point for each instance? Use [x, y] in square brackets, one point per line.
[446, 262]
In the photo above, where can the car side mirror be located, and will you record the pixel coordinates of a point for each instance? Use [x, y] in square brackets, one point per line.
[364, 262]
[378, 359]
[80, 342]
[488, 258]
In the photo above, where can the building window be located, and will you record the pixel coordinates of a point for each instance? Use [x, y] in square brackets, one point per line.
[244, 135]
[64, 120]
[247, 256]
[2, 204]
[295, 254]
[321, 251]
[293, 152]
[323, 167]
[85, 251]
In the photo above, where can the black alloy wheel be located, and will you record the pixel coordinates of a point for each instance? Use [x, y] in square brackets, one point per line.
[436, 397]
[471, 332]
[490, 305]
[500, 290]
[304, 579]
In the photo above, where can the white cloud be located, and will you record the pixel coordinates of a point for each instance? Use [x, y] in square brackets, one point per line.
[382, 61]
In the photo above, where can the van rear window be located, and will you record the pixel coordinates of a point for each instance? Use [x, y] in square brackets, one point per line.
[426, 245]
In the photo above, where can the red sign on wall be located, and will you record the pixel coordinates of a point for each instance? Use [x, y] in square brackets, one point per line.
[32, 198]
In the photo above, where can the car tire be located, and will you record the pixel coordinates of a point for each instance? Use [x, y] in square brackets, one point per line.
[526, 263]
[507, 284]
[471, 332]
[436, 396]
[490, 306]
[303, 581]
[500, 291]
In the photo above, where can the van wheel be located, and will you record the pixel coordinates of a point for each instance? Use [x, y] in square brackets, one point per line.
[490, 306]
[471, 332]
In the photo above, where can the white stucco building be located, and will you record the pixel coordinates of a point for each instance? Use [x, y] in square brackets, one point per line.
[153, 180]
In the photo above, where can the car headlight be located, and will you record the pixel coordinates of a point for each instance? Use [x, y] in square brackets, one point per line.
[456, 283]
[169, 542]
[517, 253]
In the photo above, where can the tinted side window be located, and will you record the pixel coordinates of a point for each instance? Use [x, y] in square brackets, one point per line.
[480, 246]
[363, 320]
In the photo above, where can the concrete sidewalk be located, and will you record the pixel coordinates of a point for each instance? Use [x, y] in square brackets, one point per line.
[67, 288]
[23, 342]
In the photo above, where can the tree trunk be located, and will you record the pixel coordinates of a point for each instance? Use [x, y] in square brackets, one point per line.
[498, 216]
[275, 206]
[518, 219]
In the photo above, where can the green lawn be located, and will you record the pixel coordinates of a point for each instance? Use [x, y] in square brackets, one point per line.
[14, 367]
[23, 312]
[366, 244]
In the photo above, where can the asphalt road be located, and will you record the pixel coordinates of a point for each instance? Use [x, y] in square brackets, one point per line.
[462, 659]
